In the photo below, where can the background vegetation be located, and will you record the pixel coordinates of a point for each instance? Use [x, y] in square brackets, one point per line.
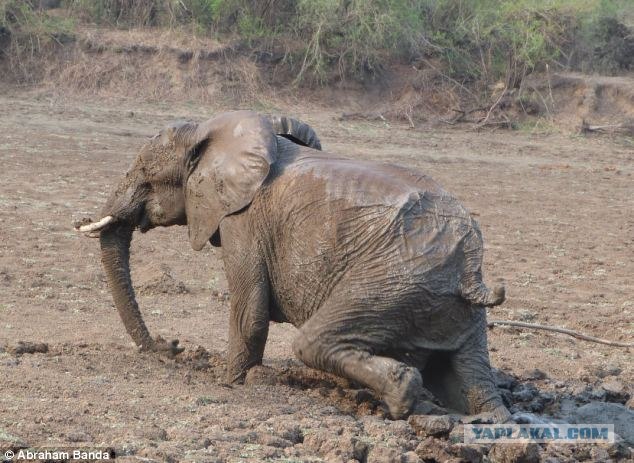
[473, 41]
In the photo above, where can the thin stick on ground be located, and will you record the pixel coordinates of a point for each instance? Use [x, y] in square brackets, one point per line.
[461, 115]
[586, 127]
[556, 329]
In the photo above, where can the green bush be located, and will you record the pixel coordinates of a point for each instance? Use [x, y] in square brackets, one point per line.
[605, 45]
[116, 12]
[147, 13]
[472, 41]
[356, 37]
[491, 40]
[482, 41]
[24, 31]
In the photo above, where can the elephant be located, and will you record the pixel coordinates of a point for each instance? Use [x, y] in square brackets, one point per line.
[377, 266]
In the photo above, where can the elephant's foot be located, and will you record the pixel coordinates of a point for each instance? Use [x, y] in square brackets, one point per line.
[159, 345]
[402, 390]
[238, 366]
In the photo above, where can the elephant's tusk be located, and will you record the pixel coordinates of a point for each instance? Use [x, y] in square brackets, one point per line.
[93, 227]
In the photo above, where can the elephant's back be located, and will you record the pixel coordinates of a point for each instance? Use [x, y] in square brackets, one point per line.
[358, 182]
[369, 226]
[347, 187]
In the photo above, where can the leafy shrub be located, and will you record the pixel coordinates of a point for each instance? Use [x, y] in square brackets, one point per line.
[116, 12]
[604, 45]
[25, 32]
[482, 41]
[356, 37]
[473, 41]
[491, 40]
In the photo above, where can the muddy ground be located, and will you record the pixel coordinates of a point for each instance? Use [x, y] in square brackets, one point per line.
[557, 216]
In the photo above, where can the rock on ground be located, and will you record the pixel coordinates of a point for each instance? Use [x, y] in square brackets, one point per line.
[606, 412]
[430, 425]
[514, 453]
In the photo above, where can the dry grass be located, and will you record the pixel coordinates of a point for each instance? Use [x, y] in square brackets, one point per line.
[158, 77]
[148, 37]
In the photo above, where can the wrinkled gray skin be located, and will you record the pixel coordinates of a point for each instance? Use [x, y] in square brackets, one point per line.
[378, 267]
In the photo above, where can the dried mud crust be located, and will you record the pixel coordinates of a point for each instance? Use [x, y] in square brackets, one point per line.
[556, 218]
[158, 279]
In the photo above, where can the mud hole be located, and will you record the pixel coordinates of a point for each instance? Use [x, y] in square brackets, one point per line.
[556, 213]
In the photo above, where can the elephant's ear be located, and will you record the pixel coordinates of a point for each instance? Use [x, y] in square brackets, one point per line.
[296, 131]
[228, 163]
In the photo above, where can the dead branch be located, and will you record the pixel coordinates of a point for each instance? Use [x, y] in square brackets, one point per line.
[556, 329]
[495, 124]
[362, 116]
[461, 115]
[497, 102]
[541, 97]
[587, 128]
[450, 79]
[410, 120]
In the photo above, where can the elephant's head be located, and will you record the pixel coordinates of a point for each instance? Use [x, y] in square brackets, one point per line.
[188, 174]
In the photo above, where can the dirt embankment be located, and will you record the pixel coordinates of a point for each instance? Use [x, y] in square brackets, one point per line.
[163, 66]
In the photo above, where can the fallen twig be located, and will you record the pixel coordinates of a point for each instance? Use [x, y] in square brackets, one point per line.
[556, 329]
[506, 123]
[586, 127]
[461, 115]
[362, 116]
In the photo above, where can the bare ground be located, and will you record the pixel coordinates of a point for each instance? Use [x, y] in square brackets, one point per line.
[557, 215]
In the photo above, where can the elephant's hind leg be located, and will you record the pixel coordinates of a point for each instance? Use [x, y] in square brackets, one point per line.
[337, 348]
[440, 378]
[396, 383]
[473, 370]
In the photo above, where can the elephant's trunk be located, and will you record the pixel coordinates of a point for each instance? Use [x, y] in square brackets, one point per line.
[115, 256]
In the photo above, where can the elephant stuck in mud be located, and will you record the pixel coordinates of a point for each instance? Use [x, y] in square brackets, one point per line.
[378, 266]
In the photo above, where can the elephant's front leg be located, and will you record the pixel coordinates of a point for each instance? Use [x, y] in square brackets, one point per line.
[248, 326]
[247, 275]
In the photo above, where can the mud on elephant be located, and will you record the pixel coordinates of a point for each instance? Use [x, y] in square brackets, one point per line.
[378, 266]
